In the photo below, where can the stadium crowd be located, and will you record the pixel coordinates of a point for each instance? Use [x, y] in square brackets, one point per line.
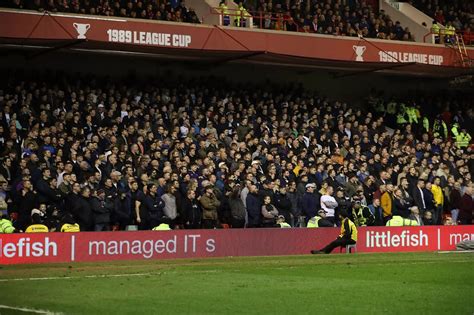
[331, 17]
[449, 17]
[93, 153]
[173, 11]
[458, 13]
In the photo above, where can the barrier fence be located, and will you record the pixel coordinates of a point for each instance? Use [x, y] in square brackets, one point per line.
[107, 246]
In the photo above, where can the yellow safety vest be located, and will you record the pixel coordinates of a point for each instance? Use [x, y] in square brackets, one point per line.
[352, 227]
[37, 228]
[162, 227]
[6, 226]
[69, 228]
[399, 221]
[284, 225]
[224, 9]
[313, 222]
[435, 29]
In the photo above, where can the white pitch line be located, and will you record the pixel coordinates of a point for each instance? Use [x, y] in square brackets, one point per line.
[456, 251]
[78, 277]
[28, 310]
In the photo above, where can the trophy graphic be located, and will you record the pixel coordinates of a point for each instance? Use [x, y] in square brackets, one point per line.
[359, 50]
[81, 29]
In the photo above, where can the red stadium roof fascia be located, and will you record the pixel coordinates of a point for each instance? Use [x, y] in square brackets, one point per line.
[180, 41]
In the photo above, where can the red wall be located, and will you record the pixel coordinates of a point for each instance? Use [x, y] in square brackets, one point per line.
[106, 246]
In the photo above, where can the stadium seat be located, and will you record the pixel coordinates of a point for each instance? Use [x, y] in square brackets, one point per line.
[349, 249]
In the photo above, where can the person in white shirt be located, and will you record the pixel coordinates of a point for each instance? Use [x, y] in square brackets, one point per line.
[329, 204]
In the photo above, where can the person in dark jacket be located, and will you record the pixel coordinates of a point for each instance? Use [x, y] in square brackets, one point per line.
[122, 214]
[283, 204]
[102, 210]
[237, 208]
[429, 198]
[455, 199]
[45, 193]
[400, 205]
[191, 211]
[377, 211]
[151, 209]
[466, 207]
[254, 207]
[83, 211]
[25, 202]
[309, 202]
[419, 196]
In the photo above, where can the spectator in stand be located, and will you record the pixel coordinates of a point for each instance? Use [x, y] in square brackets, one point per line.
[144, 9]
[135, 141]
[309, 202]
[209, 203]
[329, 204]
[192, 211]
[466, 208]
[377, 212]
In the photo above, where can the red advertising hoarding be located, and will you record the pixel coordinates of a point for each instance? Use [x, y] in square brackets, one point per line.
[107, 246]
[94, 32]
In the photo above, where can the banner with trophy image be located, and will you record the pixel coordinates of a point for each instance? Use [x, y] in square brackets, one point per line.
[114, 33]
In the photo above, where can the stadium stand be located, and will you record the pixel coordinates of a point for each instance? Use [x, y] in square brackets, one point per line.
[457, 14]
[329, 17]
[147, 9]
[109, 154]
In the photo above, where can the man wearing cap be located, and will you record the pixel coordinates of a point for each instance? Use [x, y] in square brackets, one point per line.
[280, 222]
[348, 235]
[319, 220]
[309, 202]
[361, 214]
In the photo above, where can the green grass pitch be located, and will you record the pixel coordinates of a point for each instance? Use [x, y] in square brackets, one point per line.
[396, 283]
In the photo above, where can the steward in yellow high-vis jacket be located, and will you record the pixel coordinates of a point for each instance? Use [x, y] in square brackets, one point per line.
[348, 235]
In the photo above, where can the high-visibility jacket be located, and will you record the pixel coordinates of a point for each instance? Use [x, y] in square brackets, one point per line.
[437, 195]
[224, 9]
[69, 228]
[462, 138]
[392, 108]
[426, 124]
[284, 225]
[6, 226]
[450, 30]
[401, 119]
[412, 116]
[313, 222]
[162, 227]
[435, 29]
[241, 14]
[37, 228]
[360, 218]
[348, 228]
[400, 221]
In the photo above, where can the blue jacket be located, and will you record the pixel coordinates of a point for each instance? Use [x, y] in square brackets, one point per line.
[254, 206]
[309, 205]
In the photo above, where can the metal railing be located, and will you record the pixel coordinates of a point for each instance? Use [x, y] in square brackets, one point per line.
[444, 35]
[247, 18]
